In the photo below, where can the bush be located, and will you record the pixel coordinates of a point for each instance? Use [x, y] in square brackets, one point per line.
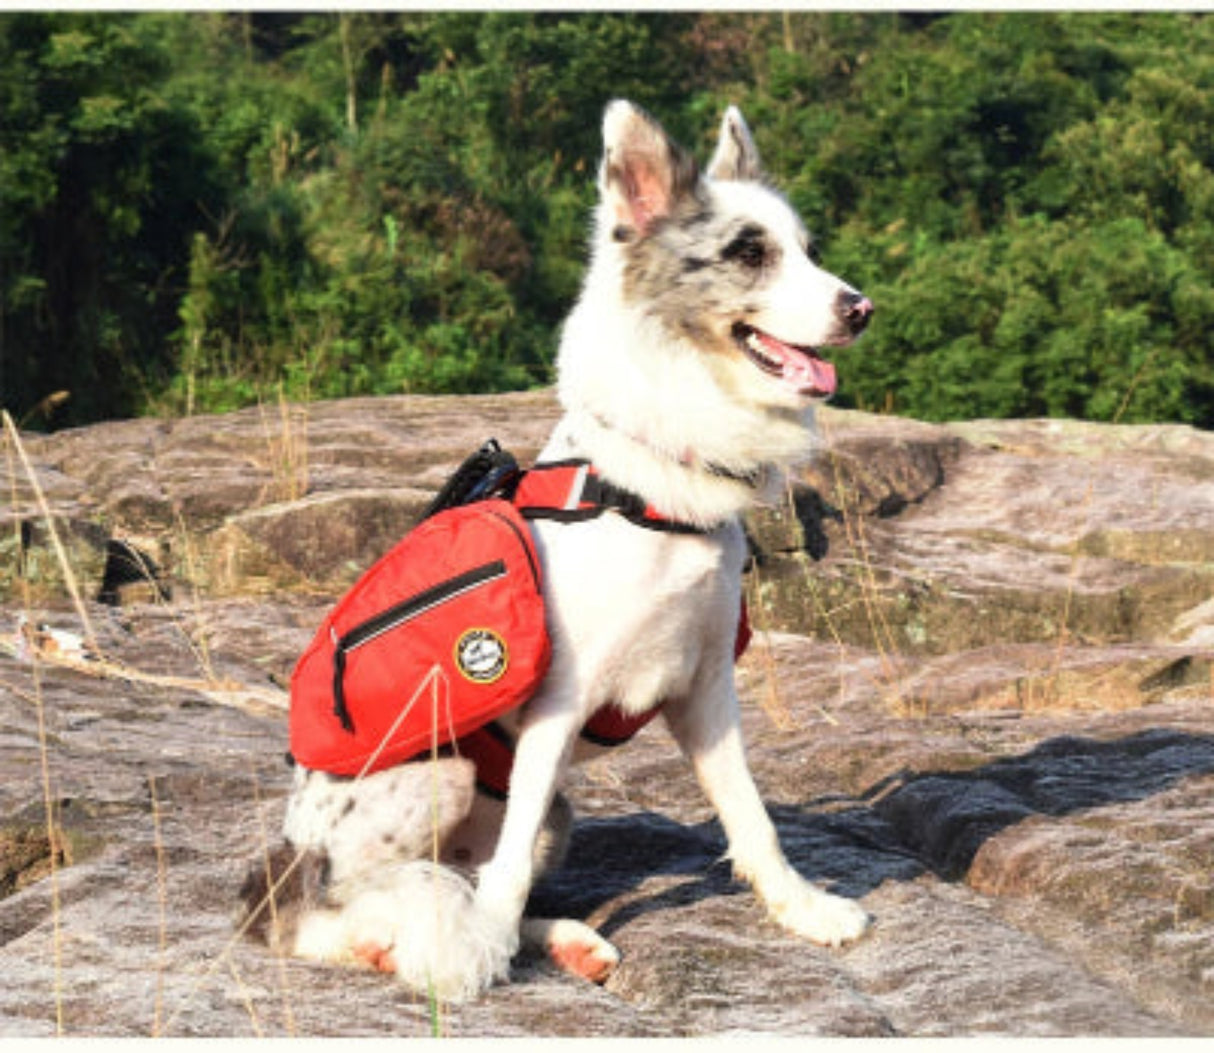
[200, 208]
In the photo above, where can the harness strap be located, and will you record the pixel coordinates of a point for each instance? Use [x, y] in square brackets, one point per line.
[491, 748]
[567, 491]
[573, 491]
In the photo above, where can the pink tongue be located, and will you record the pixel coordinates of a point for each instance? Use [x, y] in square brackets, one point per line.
[809, 375]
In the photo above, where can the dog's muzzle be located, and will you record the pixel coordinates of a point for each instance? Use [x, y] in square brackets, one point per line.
[855, 310]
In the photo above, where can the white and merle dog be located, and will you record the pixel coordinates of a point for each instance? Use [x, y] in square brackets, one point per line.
[688, 372]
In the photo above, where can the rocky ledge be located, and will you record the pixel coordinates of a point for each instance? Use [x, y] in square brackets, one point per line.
[980, 700]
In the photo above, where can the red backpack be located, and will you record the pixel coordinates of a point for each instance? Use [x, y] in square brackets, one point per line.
[446, 632]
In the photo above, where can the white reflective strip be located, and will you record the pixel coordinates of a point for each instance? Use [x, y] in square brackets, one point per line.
[575, 491]
[413, 614]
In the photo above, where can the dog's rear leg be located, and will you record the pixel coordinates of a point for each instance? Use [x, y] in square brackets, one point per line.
[573, 946]
[707, 728]
[379, 900]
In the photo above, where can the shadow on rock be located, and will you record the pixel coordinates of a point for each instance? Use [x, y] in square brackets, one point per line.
[933, 823]
[945, 818]
[610, 857]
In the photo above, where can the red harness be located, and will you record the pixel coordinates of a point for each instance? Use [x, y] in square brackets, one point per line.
[573, 491]
[345, 692]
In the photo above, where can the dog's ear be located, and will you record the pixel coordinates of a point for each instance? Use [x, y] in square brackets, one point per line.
[736, 155]
[644, 171]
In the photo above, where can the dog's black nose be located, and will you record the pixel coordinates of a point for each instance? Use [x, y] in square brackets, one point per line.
[855, 310]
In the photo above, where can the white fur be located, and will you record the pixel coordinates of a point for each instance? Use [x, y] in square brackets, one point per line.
[637, 617]
[798, 307]
[389, 815]
[424, 916]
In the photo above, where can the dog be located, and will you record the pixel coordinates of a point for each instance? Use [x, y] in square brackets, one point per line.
[688, 372]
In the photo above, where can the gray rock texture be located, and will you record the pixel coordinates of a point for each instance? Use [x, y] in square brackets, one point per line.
[980, 699]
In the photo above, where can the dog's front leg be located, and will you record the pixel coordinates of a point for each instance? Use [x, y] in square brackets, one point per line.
[545, 740]
[707, 728]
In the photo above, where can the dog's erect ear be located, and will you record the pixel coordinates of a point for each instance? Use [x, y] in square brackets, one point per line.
[644, 172]
[736, 155]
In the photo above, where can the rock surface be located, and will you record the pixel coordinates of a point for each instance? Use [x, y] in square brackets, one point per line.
[983, 704]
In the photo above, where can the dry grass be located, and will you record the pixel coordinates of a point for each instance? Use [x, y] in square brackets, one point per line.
[883, 638]
[284, 986]
[771, 698]
[14, 449]
[199, 642]
[162, 905]
[15, 445]
[91, 661]
[286, 448]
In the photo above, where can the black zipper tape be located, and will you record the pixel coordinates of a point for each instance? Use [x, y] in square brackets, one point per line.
[419, 604]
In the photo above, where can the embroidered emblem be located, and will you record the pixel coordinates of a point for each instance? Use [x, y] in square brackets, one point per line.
[481, 656]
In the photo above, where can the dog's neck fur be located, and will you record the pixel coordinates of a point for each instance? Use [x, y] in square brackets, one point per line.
[621, 375]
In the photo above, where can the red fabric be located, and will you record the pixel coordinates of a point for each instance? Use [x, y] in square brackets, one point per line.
[392, 719]
[398, 684]
[548, 487]
[742, 640]
[610, 726]
[493, 757]
[560, 486]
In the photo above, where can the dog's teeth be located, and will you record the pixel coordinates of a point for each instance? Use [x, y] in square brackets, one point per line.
[755, 343]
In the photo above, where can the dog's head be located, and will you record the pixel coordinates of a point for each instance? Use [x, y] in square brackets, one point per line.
[719, 259]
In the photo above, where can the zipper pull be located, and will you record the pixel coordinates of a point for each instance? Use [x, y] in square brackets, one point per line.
[340, 711]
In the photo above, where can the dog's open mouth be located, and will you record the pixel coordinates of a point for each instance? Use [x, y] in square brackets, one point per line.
[800, 367]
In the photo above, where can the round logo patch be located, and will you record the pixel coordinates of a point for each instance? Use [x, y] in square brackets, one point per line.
[481, 656]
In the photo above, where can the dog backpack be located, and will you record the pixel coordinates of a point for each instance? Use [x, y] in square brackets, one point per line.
[446, 632]
[450, 619]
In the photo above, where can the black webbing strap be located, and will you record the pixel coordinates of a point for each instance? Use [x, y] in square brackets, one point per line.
[556, 481]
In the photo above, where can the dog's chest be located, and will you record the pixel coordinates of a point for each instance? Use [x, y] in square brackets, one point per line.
[637, 614]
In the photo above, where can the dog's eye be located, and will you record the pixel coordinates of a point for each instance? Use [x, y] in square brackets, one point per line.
[748, 248]
[815, 257]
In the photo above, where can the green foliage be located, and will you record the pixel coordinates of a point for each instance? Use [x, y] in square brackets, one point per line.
[100, 182]
[1027, 200]
[198, 209]
[1042, 319]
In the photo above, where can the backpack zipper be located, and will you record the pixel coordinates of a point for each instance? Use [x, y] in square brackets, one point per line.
[419, 604]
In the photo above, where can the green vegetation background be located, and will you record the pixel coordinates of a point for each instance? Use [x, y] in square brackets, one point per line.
[203, 209]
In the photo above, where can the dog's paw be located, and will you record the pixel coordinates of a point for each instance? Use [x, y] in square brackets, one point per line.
[420, 925]
[821, 917]
[375, 955]
[574, 947]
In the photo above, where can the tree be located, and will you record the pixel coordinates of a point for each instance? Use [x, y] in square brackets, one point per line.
[99, 183]
[199, 207]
